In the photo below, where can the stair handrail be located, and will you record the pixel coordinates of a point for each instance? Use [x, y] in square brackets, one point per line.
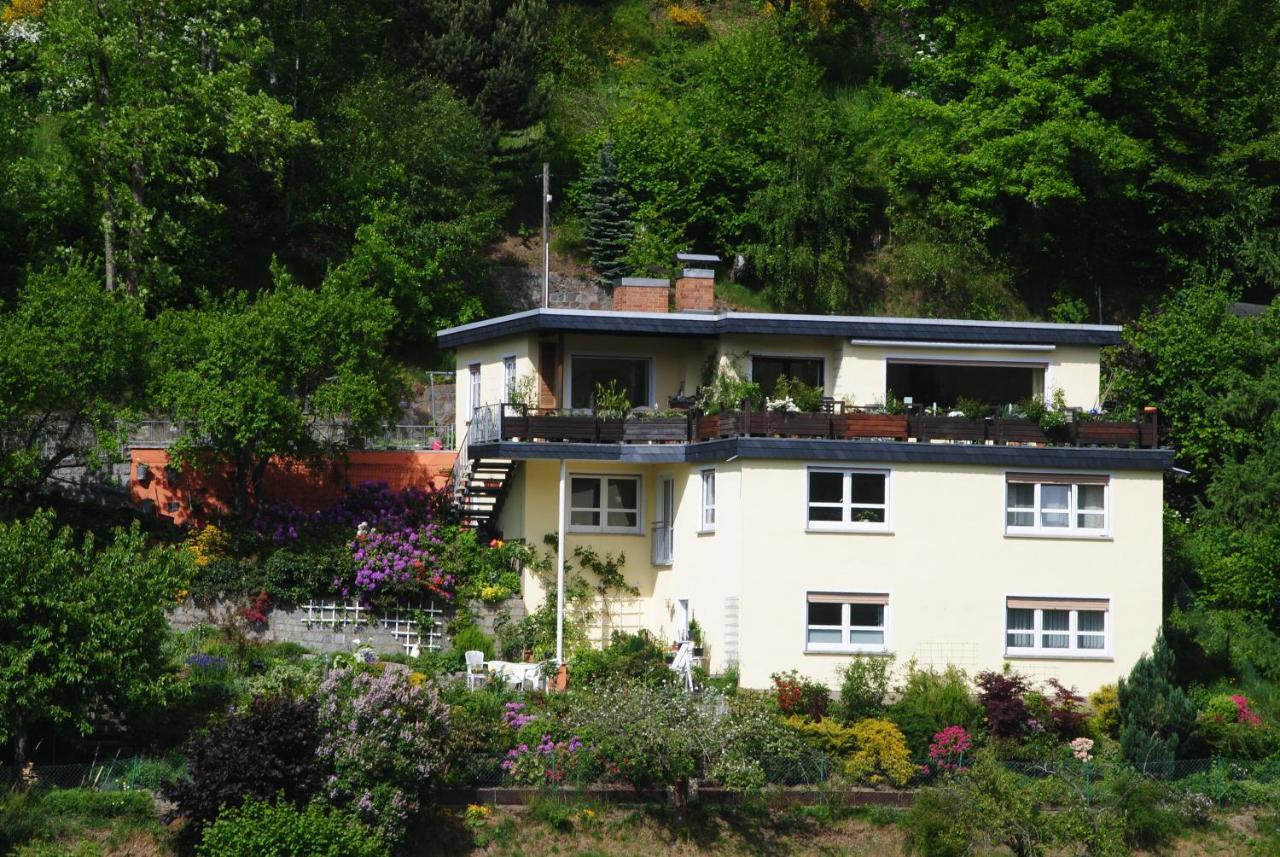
[486, 426]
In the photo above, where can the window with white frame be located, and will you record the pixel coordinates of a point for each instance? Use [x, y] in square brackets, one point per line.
[473, 372]
[604, 504]
[846, 622]
[509, 378]
[1056, 505]
[708, 500]
[1065, 627]
[843, 499]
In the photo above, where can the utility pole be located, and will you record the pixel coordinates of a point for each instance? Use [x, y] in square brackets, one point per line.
[546, 234]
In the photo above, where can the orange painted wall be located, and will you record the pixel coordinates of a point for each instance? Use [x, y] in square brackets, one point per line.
[188, 496]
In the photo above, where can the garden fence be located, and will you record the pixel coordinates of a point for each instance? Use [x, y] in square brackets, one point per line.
[1216, 779]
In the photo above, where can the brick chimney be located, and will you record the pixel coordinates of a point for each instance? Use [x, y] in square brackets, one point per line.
[695, 287]
[641, 294]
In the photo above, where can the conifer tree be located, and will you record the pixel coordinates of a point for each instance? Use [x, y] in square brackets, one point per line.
[1155, 714]
[606, 210]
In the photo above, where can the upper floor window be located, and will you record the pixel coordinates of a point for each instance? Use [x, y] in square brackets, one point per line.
[509, 377]
[631, 374]
[842, 499]
[604, 504]
[1055, 505]
[1067, 627]
[473, 373]
[766, 371]
[708, 500]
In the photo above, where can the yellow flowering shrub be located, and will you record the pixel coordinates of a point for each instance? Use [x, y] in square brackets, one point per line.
[689, 17]
[19, 10]
[881, 753]
[1106, 711]
[827, 734]
[208, 543]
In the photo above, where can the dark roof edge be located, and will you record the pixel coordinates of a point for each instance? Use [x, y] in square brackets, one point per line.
[863, 327]
[852, 451]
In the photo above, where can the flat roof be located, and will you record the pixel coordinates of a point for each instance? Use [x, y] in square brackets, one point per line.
[782, 324]
[1063, 458]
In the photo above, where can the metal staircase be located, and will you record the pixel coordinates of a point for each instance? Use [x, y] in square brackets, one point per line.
[480, 485]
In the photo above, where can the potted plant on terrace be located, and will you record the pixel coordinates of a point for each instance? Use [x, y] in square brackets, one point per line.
[612, 408]
[796, 408]
[966, 422]
[1094, 429]
[720, 404]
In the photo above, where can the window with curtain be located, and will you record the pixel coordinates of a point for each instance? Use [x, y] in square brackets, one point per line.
[1056, 505]
[1066, 627]
[846, 622]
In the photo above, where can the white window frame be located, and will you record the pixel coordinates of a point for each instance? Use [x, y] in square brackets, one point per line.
[707, 477]
[653, 375]
[604, 507]
[1073, 605]
[1037, 510]
[846, 524]
[509, 377]
[474, 388]
[884, 599]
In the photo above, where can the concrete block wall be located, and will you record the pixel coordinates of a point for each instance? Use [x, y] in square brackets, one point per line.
[291, 625]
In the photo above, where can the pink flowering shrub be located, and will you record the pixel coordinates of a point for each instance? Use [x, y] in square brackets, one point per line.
[386, 740]
[1244, 714]
[949, 748]
[548, 761]
[513, 715]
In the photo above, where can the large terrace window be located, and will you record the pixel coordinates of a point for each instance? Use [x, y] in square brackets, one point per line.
[766, 371]
[946, 383]
[631, 374]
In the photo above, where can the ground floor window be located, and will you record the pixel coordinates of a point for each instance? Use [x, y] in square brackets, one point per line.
[604, 504]
[846, 622]
[1079, 627]
[853, 500]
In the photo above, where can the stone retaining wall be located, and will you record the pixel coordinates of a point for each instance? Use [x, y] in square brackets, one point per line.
[307, 628]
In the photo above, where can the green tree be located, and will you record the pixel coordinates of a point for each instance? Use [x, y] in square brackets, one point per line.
[81, 627]
[1156, 716]
[606, 214]
[72, 374]
[140, 105]
[486, 50]
[249, 381]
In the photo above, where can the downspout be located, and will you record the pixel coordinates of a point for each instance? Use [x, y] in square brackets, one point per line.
[560, 572]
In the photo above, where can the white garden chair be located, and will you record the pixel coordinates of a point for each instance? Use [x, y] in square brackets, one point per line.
[476, 673]
[682, 663]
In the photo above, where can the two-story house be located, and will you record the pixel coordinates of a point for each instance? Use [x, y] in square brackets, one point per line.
[797, 540]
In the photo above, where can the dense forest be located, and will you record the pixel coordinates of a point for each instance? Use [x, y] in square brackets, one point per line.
[245, 215]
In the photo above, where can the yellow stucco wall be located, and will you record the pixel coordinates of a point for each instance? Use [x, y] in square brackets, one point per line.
[492, 389]
[947, 565]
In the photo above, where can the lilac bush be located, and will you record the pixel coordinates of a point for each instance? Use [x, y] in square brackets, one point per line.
[385, 739]
[549, 761]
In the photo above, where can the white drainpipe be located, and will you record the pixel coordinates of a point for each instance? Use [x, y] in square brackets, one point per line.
[560, 571]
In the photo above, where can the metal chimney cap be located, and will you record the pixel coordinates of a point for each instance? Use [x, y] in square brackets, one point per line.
[705, 258]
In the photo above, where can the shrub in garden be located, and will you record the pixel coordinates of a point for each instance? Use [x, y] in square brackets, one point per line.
[1067, 714]
[864, 684]
[1002, 697]
[1229, 727]
[1157, 717]
[796, 694]
[753, 745]
[265, 750]
[650, 735]
[472, 639]
[280, 829]
[385, 739]
[882, 753]
[627, 658]
[951, 749]
[549, 761]
[1105, 719]
[929, 701]
[830, 736]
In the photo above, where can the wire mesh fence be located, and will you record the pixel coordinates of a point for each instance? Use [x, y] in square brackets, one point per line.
[1223, 781]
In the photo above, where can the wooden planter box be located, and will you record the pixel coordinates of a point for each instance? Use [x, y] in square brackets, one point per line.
[1017, 431]
[926, 429]
[707, 427]
[796, 425]
[656, 430]
[1106, 433]
[892, 426]
[514, 427]
[610, 431]
[562, 428]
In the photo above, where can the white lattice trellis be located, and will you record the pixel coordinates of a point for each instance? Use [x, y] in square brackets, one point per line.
[404, 625]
